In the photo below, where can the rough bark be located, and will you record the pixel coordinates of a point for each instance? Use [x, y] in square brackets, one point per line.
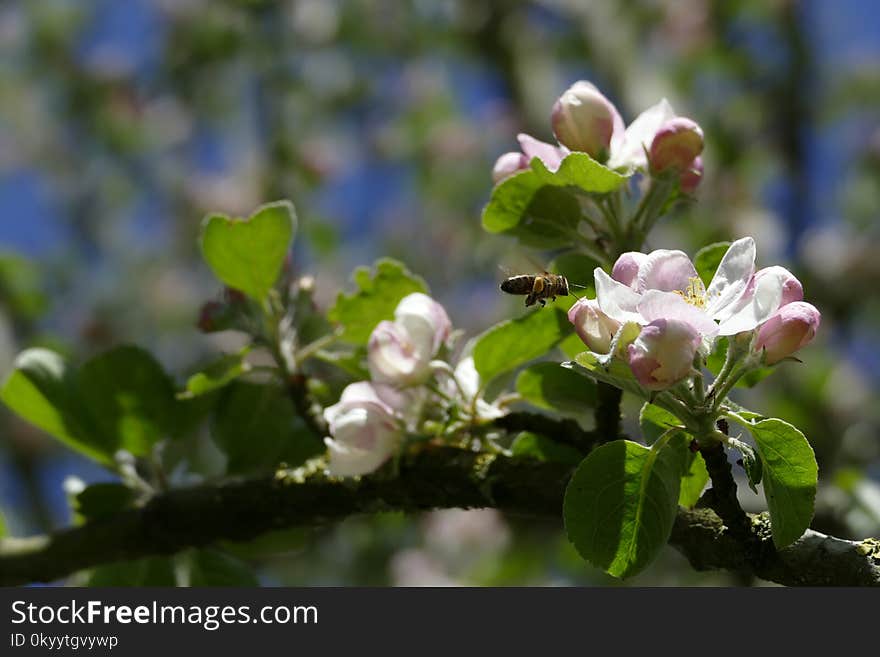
[430, 477]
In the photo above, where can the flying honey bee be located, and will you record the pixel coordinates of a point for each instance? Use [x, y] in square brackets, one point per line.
[537, 287]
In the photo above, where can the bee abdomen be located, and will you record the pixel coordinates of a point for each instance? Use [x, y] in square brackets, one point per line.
[518, 284]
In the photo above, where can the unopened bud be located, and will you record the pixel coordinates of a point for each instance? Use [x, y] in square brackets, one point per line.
[585, 120]
[676, 145]
[791, 327]
[594, 327]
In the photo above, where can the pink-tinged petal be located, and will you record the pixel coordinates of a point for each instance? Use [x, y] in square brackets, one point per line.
[638, 137]
[656, 305]
[549, 154]
[507, 165]
[792, 290]
[755, 310]
[731, 278]
[626, 268]
[425, 308]
[663, 354]
[666, 270]
[615, 299]
[363, 391]
[793, 326]
[399, 353]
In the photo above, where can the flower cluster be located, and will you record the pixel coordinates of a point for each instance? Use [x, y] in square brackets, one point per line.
[672, 317]
[368, 424]
[584, 120]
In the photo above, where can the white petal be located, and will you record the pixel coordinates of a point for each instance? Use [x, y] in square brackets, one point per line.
[731, 278]
[615, 299]
[668, 305]
[639, 135]
[467, 376]
[765, 301]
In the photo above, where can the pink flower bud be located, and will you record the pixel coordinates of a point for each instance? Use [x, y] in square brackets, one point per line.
[676, 145]
[691, 177]
[663, 354]
[585, 120]
[507, 165]
[626, 269]
[364, 431]
[594, 327]
[791, 327]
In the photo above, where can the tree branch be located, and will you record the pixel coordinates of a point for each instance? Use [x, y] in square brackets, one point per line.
[430, 477]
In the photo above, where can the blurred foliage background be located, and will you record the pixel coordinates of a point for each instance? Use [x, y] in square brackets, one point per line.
[123, 123]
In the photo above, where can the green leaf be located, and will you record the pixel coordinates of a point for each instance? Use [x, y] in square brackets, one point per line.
[750, 462]
[257, 428]
[129, 399]
[578, 269]
[211, 567]
[248, 254]
[553, 387]
[534, 206]
[693, 481]
[216, 375]
[707, 260]
[621, 503]
[102, 500]
[39, 390]
[616, 372]
[535, 446]
[376, 298]
[2, 526]
[790, 477]
[655, 421]
[515, 342]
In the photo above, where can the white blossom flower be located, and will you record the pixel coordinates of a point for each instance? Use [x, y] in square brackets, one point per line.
[364, 431]
[399, 352]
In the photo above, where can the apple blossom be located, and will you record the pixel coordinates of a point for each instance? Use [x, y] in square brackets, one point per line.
[364, 430]
[585, 120]
[420, 308]
[663, 353]
[667, 287]
[594, 327]
[791, 327]
[399, 352]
